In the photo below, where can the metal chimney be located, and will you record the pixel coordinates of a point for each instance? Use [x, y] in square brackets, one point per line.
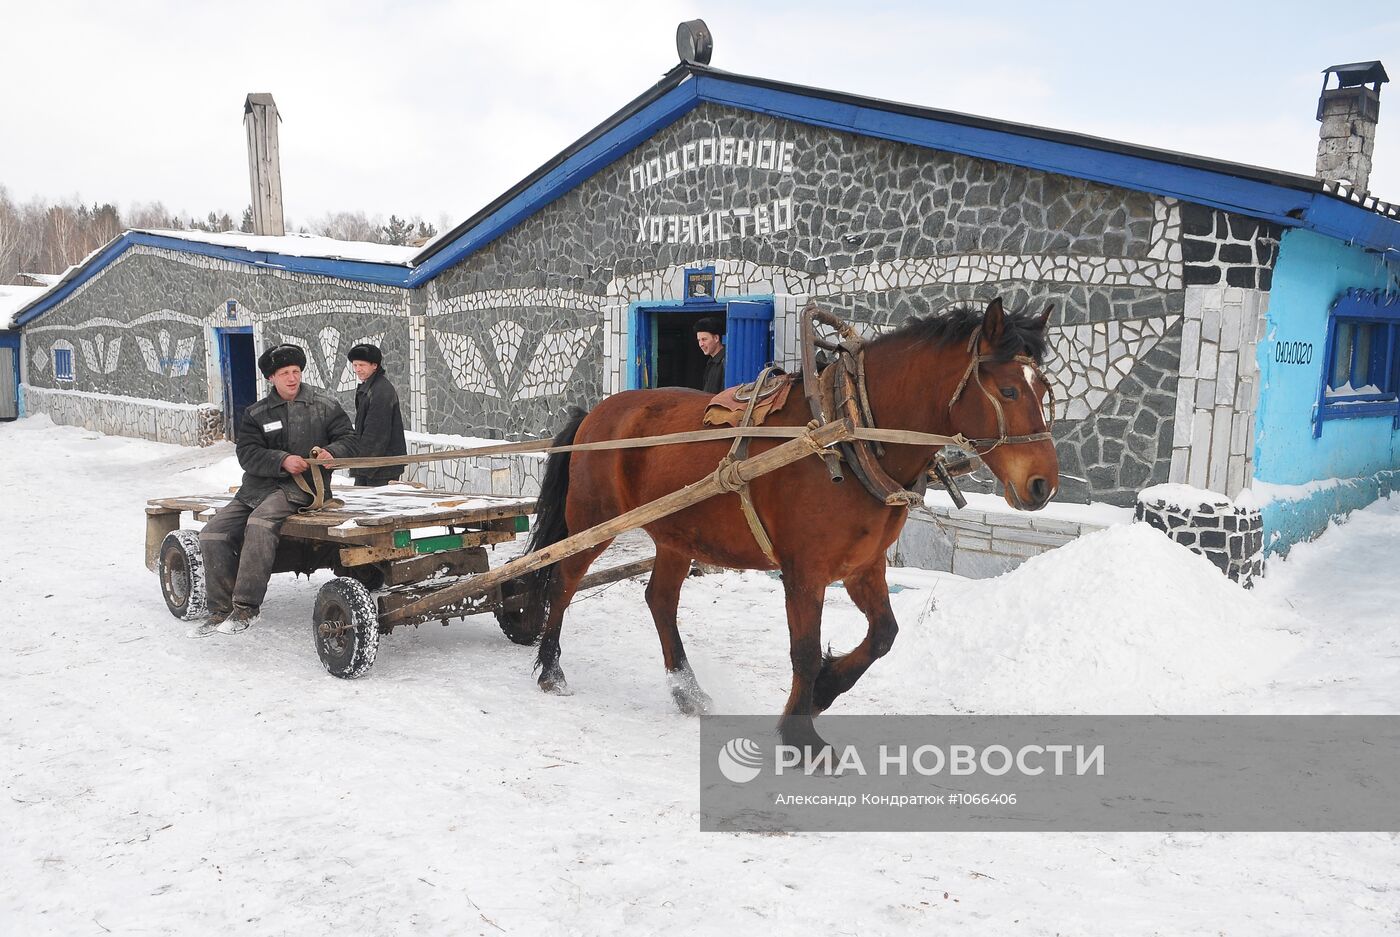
[1349, 113]
[260, 119]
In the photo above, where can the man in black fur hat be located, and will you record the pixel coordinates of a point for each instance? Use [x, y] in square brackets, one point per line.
[279, 433]
[709, 335]
[378, 419]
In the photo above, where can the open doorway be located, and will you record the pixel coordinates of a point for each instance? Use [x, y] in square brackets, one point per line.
[667, 354]
[238, 365]
[676, 360]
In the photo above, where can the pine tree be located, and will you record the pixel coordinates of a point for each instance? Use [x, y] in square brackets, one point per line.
[247, 225]
[397, 231]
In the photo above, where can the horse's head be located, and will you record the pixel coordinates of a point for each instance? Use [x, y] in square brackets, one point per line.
[1001, 405]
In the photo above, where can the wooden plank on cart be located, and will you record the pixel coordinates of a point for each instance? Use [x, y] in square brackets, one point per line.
[424, 568]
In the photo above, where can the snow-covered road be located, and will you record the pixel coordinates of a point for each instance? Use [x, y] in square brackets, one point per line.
[154, 784]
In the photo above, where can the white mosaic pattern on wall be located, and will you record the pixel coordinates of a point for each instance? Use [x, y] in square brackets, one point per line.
[521, 298]
[465, 362]
[39, 360]
[100, 355]
[1089, 361]
[1218, 388]
[164, 361]
[103, 322]
[554, 362]
[548, 370]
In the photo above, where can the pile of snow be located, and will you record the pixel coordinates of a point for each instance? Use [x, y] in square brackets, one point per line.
[1123, 620]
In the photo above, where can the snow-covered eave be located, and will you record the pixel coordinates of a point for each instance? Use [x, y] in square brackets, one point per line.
[380, 264]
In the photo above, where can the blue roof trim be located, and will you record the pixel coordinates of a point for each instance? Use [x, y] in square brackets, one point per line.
[357, 270]
[573, 171]
[1290, 207]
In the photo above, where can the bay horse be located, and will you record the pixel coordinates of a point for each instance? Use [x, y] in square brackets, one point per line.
[821, 532]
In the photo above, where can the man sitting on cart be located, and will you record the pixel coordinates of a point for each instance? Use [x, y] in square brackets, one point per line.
[293, 423]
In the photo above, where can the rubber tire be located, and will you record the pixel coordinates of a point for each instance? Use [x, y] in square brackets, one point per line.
[181, 574]
[512, 622]
[347, 602]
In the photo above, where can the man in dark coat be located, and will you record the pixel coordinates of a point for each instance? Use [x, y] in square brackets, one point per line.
[378, 419]
[709, 335]
[279, 433]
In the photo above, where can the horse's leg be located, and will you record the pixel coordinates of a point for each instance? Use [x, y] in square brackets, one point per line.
[871, 594]
[562, 586]
[663, 596]
[804, 611]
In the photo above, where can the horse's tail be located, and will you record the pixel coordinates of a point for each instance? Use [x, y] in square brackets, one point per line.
[550, 525]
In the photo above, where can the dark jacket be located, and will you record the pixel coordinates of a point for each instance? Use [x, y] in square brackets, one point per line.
[273, 429]
[714, 373]
[379, 425]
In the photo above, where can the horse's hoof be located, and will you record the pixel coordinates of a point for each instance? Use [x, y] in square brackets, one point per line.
[553, 682]
[685, 690]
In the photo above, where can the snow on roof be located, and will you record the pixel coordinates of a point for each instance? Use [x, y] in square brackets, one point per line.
[15, 298]
[298, 245]
[43, 279]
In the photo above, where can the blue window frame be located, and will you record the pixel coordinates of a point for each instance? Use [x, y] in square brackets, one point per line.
[1362, 363]
[63, 364]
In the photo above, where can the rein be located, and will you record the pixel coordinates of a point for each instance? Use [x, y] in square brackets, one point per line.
[839, 394]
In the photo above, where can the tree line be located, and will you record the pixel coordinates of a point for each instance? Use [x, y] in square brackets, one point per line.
[43, 236]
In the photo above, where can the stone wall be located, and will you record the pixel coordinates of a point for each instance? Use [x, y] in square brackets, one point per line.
[178, 424]
[1230, 537]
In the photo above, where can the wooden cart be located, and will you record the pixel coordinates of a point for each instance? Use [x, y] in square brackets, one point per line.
[389, 547]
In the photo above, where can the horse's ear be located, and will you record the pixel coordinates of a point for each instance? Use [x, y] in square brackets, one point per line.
[993, 321]
[1041, 321]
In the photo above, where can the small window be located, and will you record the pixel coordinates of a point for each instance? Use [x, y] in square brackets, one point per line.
[1363, 367]
[1362, 355]
[63, 364]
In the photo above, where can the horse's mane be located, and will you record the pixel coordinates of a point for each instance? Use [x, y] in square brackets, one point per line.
[956, 324]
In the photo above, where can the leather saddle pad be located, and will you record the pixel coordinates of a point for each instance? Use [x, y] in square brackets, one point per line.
[727, 407]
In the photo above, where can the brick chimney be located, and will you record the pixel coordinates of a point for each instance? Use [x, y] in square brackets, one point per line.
[1349, 113]
[260, 119]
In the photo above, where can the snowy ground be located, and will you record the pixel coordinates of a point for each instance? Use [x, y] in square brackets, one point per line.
[155, 784]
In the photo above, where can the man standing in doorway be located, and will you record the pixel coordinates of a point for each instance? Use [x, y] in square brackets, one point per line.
[278, 434]
[709, 335]
[378, 419]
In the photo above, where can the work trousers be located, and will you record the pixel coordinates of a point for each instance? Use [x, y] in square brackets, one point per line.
[239, 546]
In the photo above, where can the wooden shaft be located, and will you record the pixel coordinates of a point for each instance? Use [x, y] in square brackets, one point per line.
[707, 487]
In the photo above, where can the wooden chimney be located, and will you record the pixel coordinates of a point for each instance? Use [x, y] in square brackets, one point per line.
[260, 119]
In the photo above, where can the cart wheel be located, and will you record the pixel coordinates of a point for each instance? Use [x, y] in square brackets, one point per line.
[182, 575]
[512, 621]
[345, 628]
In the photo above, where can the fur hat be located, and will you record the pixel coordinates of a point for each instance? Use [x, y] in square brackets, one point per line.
[279, 357]
[712, 324]
[370, 353]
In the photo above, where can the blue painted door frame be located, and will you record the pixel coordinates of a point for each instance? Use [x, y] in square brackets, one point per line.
[748, 341]
[9, 345]
[237, 367]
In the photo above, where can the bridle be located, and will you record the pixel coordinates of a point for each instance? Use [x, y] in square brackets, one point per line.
[974, 365]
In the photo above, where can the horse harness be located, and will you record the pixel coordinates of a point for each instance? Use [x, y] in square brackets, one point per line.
[838, 391]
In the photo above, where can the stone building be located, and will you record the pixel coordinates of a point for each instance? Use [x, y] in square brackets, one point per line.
[1184, 289]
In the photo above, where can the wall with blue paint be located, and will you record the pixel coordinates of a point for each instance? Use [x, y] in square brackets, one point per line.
[1362, 453]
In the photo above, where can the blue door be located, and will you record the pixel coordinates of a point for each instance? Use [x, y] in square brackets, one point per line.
[748, 343]
[239, 369]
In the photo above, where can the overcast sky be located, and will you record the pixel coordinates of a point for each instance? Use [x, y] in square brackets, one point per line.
[434, 108]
